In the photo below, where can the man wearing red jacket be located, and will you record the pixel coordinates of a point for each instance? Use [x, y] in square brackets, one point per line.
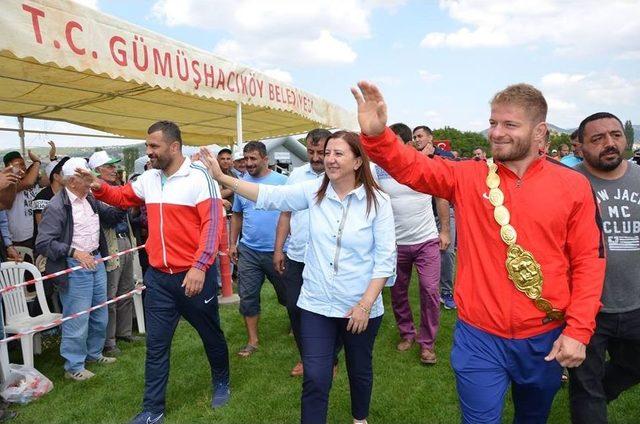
[184, 212]
[530, 254]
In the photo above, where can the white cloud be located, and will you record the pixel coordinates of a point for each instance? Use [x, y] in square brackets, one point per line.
[573, 27]
[282, 32]
[560, 79]
[279, 74]
[93, 4]
[572, 97]
[390, 4]
[428, 77]
[558, 105]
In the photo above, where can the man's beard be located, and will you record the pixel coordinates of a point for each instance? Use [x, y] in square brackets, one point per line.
[254, 172]
[161, 163]
[518, 151]
[602, 165]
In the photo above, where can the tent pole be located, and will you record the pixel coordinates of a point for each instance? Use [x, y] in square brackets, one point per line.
[227, 296]
[239, 124]
[21, 134]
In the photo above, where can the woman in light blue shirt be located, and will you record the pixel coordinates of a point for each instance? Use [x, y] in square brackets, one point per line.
[350, 257]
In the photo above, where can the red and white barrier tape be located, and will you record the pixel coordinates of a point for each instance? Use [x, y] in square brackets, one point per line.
[59, 321]
[67, 271]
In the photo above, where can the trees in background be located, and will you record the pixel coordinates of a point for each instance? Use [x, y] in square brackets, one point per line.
[464, 142]
[557, 139]
[629, 134]
[129, 156]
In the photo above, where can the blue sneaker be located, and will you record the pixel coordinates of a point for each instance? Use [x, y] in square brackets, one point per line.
[146, 417]
[447, 301]
[221, 394]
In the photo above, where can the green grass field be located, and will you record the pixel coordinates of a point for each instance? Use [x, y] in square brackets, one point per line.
[262, 391]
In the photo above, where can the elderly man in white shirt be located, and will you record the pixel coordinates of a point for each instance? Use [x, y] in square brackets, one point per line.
[350, 257]
[71, 239]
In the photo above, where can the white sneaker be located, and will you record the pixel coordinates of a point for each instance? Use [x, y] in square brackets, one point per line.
[79, 375]
[102, 360]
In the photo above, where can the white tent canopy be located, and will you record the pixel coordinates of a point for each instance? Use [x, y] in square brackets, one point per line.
[63, 61]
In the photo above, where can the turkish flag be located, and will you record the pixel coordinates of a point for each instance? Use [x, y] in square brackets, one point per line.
[443, 144]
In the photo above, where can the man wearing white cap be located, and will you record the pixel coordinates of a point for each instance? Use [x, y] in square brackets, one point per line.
[102, 158]
[239, 164]
[120, 269]
[70, 235]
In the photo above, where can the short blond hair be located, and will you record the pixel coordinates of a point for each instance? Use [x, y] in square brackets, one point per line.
[526, 96]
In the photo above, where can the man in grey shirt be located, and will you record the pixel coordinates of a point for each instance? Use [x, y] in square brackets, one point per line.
[616, 184]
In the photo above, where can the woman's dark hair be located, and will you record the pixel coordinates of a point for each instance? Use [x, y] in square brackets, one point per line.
[363, 173]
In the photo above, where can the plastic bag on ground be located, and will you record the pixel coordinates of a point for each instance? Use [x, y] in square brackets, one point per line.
[24, 384]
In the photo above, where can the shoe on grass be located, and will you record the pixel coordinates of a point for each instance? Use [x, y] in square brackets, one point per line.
[405, 344]
[221, 394]
[247, 350]
[447, 301]
[111, 351]
[81, 375]
[130, 339]
[428, 356]
[102, 360]
[146, 417]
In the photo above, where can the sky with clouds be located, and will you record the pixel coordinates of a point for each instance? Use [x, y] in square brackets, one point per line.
[437, 62]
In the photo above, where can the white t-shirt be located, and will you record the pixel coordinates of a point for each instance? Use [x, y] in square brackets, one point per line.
[412, 211]
[21, 216]
[299, 223]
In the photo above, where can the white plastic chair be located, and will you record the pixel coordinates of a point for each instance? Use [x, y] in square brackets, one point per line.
[137, 298]
[15, 306]
[5, 369]
[27, 253]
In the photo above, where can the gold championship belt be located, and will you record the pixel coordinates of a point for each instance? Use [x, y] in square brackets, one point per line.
[523, 269]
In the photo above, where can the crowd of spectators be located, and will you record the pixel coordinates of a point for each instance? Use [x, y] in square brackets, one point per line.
[328, 238]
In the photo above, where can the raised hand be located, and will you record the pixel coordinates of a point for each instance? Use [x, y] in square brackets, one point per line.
[88, 178]
[33, 156]
[211, 163]
[372, 110]
[52, 150]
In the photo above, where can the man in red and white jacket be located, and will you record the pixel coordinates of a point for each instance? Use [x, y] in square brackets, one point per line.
[185, 216]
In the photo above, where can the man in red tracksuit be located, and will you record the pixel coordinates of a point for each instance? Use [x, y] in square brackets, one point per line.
[530, 254]
[185, 218]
